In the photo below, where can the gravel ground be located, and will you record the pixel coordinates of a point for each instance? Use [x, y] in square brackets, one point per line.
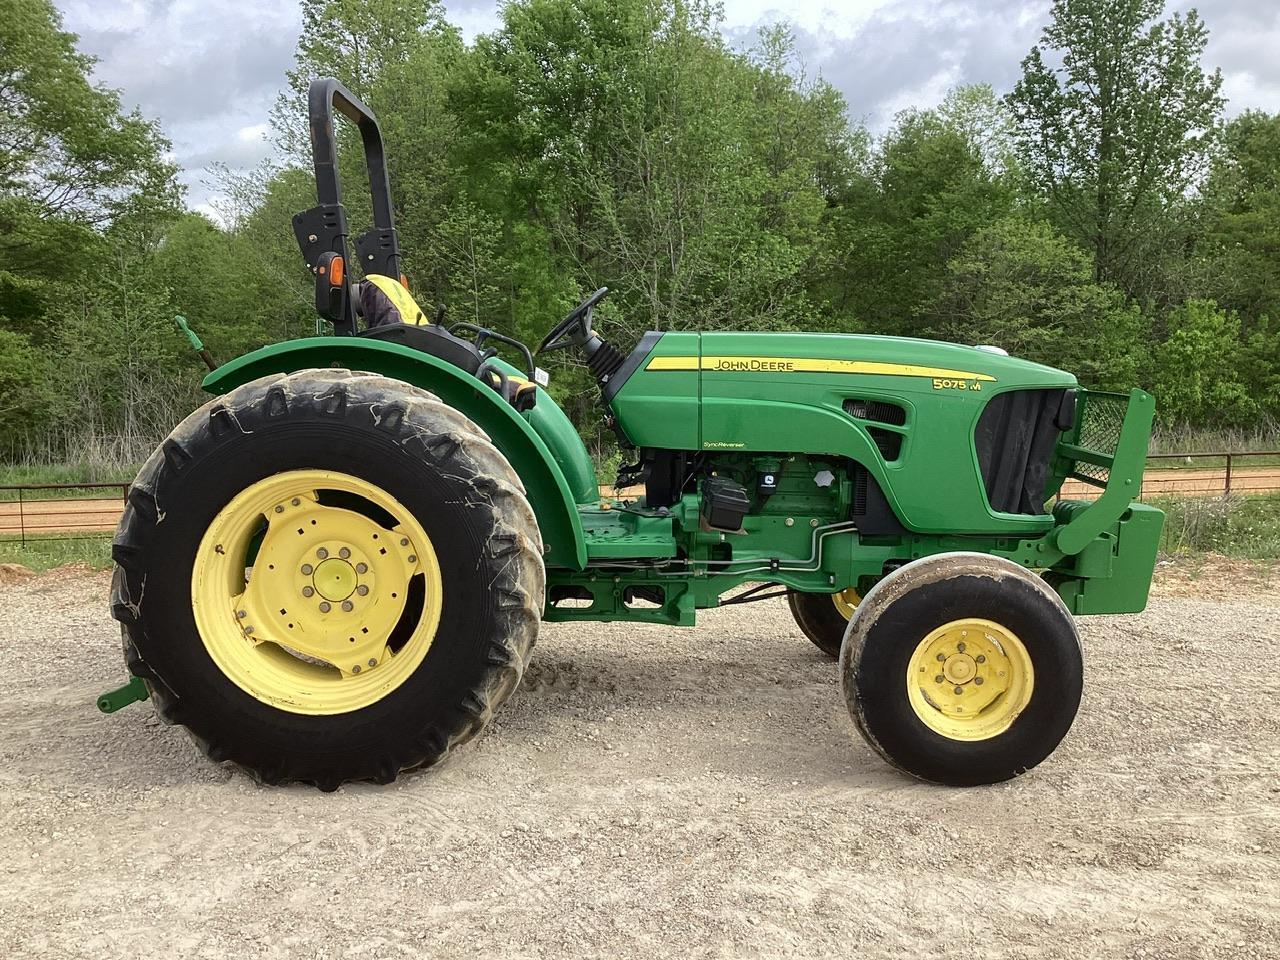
[652, 793]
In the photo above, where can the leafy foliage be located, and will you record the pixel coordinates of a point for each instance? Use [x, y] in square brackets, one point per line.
[1022, 285]
[1113, 129]
[1100, 217]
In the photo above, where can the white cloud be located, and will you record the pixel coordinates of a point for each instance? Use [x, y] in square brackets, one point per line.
[210, 71]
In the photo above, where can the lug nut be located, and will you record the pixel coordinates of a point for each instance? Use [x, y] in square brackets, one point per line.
[248, 630]
[959, 689]
[324, 606]
[240, 614]
[938, 679]
[356, 668]
[296, 501]
[980, 658]
[412, 558]
[942, 657]
[404, 541]
[307, 591]
[960, 647]
[373, 662]
[978, 681]
[279, 509]
[362, 590]
[306, 569]
[344, 553]
[322, 553]
[347, 606]
[362, 568]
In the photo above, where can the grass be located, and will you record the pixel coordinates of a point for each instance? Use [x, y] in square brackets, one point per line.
[69, 473]
[1264, 438]
[44, 553]
[62, 473]
[1237, 526]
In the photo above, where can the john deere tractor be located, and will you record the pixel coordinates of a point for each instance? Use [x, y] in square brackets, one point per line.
[336, 568]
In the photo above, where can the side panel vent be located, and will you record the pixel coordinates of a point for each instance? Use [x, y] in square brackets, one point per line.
[890, 443]
[879, 411]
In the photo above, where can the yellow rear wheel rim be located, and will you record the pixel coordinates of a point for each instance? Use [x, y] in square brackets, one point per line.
[846, 601]
[304, 623]
[970, 679]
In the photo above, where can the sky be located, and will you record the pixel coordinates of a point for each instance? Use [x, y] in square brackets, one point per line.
[210, 71]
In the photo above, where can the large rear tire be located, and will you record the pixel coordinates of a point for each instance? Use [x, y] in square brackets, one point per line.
[962, 669]
[328, 576]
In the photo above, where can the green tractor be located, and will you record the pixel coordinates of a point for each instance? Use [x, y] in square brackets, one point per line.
[336, 569]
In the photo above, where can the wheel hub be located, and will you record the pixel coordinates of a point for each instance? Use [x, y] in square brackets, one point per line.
[846, 601]
[335, 579]
[969, 679]
[328, 584]
[959, 668]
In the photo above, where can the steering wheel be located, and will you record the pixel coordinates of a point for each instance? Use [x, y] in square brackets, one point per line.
[575, 329]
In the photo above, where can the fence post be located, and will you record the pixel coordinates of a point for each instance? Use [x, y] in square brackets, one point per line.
[1227, 490]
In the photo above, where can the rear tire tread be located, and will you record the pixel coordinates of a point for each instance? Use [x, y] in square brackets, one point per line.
[519, 578]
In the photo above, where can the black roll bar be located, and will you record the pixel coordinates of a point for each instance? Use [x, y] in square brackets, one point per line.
[323, 229]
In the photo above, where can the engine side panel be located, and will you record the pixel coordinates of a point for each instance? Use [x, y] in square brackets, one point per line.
[657, 409]
[905, 409]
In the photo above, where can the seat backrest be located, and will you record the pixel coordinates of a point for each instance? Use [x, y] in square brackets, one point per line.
[430, 338]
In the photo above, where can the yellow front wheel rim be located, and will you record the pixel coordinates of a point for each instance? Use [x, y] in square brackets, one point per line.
[316, 592]
[846, 601]
[970, 679]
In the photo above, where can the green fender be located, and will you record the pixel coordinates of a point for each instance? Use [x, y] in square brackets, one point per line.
[544, 481]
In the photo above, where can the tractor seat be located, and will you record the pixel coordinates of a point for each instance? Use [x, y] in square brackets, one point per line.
[429, 338]
[391, 314]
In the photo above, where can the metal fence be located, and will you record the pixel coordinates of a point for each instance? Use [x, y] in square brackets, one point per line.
[1216, 473]
[79, 511]
[1225, 472]
[60, 511]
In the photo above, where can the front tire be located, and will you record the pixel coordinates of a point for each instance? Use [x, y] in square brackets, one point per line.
[328, 576]
[962, 669]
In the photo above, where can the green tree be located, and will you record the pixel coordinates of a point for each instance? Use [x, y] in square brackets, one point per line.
[1115, 119]
[919, 198]
[1023, 286]
[1241, 239]
[66, 150]
[624, 143]
[986, 122]
[77, 176]
[1196, 372]
[25, 397]
[356, 41]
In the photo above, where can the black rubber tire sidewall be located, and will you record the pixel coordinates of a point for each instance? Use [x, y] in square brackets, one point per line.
[875, 679]
[819, 620]
[412, 724]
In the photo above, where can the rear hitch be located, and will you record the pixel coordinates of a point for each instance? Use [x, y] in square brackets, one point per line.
[135, 691]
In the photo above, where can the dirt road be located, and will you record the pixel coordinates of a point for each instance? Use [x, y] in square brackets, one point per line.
[654, 793]
[60, 516]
